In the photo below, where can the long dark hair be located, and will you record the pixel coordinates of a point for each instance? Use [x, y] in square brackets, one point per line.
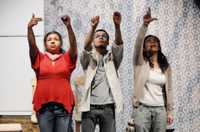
[162, 60]
[60, 37]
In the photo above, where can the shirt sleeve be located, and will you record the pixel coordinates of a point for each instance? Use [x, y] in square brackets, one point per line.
[117, 51]
[138, 47]
[85, 59]
[36, 63]
[70, 62]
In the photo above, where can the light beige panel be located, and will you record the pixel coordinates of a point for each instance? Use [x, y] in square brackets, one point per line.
[15, 14]
[16, 76]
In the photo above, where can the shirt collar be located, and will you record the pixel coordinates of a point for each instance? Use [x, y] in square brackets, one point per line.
[52, 56]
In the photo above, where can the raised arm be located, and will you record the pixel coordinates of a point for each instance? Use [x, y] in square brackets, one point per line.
[117, 47]
[72, 39]
[138, 50]
[31, 38]
[90, 35]
[117, 21]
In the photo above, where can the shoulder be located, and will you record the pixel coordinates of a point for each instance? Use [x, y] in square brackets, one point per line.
[169, 70]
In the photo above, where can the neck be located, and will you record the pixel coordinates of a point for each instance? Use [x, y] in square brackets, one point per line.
[53, 52]
[101, 51]
[154, 58]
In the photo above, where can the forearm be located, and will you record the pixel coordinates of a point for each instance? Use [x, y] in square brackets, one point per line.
[32, 43]
[89, 39]
[138, 51]
[118, 36]
[72, 40]
[31, 37]
[170, 97]
[141, 36]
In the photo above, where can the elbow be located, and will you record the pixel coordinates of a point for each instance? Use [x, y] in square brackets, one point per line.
[119, 42]
[88, 48]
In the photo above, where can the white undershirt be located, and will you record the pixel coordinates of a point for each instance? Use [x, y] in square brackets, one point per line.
[153, 89]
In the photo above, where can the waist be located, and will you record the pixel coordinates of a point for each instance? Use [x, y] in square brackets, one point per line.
[103, 106]
[51, 106]
[148, 106]
[56, 76]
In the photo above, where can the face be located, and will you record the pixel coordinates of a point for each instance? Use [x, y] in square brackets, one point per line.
[151, 44]
[53, 43]
[101, 39]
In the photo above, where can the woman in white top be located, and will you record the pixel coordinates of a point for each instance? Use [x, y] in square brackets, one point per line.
[152, 83]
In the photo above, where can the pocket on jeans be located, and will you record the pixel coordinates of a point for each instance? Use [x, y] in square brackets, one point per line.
[162, 108]
[43, 109]
[61, 112]
[110, 111]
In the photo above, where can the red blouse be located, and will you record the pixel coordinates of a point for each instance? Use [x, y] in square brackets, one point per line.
[53, 80]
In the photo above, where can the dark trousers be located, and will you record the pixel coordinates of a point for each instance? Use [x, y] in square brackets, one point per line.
[52, 117]
[104, 115]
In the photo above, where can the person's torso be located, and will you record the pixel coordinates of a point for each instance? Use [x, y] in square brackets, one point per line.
[100, 88]
[153, 88]
[50, 68]
[53, 82]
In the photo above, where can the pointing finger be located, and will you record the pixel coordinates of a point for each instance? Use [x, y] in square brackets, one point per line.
[33, 15]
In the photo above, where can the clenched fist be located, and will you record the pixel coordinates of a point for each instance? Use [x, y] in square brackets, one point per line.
[117, 18]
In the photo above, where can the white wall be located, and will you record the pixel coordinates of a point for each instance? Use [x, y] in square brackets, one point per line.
[15, 70]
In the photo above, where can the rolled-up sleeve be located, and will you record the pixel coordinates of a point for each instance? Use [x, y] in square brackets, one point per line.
[170, 97]
[117, 51]
[138, 47]
[71, 61]
[35, 64]
[85, 59]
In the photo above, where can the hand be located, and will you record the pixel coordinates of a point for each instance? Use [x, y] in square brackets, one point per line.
[95, 21]
[170, 119]
[66, 20]
[147, 17]
[34, 21]
[117, 18]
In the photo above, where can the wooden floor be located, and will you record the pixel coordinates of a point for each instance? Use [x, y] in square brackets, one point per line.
[24, 120]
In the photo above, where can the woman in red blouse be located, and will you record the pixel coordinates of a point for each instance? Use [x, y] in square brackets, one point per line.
[53, 99]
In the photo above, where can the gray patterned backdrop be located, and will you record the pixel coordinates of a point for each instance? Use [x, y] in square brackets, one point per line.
[178, 27]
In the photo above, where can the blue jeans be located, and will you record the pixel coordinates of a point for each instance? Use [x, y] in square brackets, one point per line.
[52, 117]
[104, 115]
[150, 118]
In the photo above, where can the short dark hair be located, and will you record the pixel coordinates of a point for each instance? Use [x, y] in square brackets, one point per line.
[53, 32]
[103, 30]
[59, 35]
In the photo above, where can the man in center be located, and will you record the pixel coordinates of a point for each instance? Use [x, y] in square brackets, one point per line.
[102, 95]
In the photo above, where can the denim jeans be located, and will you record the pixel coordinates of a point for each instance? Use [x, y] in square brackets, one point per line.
[104, 115]
[150, 118]
[52, 117]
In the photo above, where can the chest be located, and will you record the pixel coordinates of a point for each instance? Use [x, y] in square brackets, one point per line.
[156, 77]
[48, 66]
